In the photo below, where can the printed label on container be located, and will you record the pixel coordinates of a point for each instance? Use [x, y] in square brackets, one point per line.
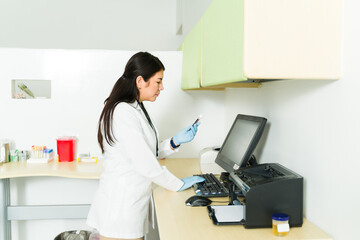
[283, 227]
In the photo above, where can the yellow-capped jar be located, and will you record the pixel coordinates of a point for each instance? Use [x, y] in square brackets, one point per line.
[280, 224]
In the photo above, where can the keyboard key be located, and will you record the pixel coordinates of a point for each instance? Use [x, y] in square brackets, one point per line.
[212, 187]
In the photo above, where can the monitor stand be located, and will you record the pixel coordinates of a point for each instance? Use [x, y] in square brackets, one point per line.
[251, 162]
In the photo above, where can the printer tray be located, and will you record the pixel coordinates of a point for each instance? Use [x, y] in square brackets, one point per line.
[226, 214]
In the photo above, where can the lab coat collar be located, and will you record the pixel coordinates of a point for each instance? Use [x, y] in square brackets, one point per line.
[135, 105]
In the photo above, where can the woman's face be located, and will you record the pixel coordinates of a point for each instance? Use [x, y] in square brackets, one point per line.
[150, 90]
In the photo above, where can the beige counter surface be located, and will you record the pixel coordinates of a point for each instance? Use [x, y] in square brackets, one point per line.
[176, 221]
[56, 169]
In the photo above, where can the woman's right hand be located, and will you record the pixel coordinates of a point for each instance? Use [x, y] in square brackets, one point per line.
[189, 181]
[186, 134]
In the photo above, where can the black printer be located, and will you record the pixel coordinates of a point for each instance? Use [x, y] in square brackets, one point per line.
[270, 188]
[267, 188]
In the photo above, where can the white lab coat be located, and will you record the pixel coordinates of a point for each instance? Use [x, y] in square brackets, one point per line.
[122, 204]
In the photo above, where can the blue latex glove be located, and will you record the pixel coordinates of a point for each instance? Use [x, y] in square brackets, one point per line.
[189, 181]
[186, 135]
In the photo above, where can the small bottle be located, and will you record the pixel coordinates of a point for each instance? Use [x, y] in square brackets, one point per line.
[14, 157]
[48, 153]
[280, 224]
[33, 152]
[22, 155]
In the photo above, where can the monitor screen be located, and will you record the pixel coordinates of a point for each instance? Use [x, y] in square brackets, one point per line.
[240, 142]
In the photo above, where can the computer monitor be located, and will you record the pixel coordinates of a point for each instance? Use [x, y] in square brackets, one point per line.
[240, 142]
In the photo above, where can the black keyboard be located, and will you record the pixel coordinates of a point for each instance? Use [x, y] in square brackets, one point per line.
[212, 187]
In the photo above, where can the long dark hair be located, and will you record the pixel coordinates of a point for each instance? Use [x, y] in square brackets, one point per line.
[125, 90]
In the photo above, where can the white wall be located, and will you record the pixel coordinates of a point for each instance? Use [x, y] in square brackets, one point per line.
[96, 24]
[82, 24]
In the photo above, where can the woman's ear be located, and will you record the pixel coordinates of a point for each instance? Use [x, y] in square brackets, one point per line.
[140, 82]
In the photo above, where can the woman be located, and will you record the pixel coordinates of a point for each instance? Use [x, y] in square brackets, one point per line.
[128, 140]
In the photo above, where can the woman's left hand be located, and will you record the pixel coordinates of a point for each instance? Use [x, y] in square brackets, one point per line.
[189, 181]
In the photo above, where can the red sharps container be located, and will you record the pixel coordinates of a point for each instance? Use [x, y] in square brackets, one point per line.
[66, 148]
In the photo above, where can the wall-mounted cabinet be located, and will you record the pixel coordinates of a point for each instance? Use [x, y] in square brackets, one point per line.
[239, 42]
[191, 59]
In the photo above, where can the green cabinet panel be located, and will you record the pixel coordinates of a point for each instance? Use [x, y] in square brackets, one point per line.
[222, 43]
[237, 43]
[191, 59]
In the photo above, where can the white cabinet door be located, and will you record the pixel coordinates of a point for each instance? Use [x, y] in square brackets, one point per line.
[292, 39]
